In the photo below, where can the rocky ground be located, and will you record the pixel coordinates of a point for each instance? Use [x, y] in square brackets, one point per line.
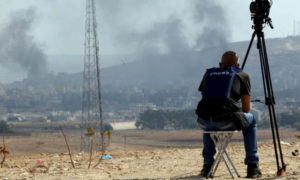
[166, 163]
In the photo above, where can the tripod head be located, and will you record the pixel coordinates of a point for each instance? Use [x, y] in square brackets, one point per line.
[260, 10]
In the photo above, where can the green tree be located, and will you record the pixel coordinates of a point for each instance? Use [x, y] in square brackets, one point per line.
[3, 126]
[180, 119]
[297, 125]
[108, 127]
[289, 118]
[152, 119]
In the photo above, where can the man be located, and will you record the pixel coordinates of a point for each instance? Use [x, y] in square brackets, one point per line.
[218, 109]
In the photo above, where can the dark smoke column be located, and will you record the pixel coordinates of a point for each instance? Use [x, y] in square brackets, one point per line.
[19, 48]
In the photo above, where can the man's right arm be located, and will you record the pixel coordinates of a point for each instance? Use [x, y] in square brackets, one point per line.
[246, 103]
[245, 93]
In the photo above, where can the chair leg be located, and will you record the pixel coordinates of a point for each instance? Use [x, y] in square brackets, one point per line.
[230, 161]
[221, 148]
[228, 167]
[221, 142]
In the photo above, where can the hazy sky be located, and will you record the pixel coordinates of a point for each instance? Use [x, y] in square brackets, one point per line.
[58, 25]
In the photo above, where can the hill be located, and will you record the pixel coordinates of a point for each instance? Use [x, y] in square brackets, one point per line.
[171, 78]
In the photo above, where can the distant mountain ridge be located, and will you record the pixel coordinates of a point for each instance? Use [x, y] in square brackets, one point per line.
[185, 69]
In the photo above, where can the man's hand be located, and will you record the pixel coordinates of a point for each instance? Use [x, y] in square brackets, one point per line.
[246, 103]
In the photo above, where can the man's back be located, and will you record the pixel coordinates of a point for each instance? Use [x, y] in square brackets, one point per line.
[219, 110]
[213, 105]
[241, 86]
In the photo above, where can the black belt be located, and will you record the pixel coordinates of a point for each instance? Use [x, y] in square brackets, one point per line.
[219, 118]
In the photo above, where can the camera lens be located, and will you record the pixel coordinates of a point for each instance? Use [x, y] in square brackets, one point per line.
[253, 7]
[260, 8]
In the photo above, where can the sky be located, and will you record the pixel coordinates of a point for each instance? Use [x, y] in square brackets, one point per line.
[58, 25]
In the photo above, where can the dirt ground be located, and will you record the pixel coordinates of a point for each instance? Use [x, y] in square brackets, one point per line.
[136, 155]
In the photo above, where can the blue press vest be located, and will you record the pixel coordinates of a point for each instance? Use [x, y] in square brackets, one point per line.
[218, 82]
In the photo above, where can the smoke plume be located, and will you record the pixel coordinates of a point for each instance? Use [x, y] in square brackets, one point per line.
[166, 35]
[174, 48]
[215, 31]
[19, 48]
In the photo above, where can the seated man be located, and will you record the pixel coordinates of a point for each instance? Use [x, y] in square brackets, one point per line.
[218, 109]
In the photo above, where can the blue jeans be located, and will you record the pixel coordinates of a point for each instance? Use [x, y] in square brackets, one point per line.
[249, 133]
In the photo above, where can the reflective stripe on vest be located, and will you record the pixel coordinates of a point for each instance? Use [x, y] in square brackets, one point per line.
[218, 82]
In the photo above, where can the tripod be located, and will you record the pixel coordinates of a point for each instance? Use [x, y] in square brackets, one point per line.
[268, 88]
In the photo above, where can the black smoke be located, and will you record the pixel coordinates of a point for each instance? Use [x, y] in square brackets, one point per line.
[166, 52]
[18, 48]
[215, 31]
[169, 35]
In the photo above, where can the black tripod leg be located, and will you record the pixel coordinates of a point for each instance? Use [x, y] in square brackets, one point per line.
[248, 50]
[268, 73]
[266, 84]
[273, 102]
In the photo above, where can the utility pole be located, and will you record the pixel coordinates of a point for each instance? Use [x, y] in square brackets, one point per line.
[91, 91]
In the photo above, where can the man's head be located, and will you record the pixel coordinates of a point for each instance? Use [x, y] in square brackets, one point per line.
[229, 58]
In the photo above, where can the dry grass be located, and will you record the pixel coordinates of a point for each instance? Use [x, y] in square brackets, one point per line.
[149, 154]
[135, 140]
[172, 163]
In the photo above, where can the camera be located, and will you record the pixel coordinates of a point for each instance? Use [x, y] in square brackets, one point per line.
[260, 8]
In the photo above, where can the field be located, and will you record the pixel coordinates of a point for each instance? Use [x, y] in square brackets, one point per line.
[136, 155]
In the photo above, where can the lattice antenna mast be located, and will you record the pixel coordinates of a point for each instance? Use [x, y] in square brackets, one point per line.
[91, 102]
[98, 72]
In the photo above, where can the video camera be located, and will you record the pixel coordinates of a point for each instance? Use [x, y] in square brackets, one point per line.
[260, 10]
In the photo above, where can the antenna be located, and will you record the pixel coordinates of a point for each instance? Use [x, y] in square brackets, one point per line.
[91, 91]
[294, 27]
[297, 28]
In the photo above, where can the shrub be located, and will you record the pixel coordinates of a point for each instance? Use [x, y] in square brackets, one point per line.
[177, 119]
[3, 126]
[108, 127]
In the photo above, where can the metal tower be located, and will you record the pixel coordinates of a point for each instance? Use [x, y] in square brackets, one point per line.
[91, 92]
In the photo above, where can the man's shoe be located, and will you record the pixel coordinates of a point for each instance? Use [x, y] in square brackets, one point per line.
[205, 170]
[253, 171]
